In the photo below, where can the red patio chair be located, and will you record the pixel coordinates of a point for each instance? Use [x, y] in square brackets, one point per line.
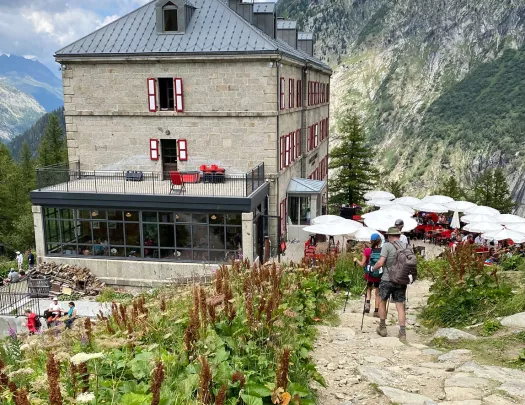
[205, 169]
[217, 169]
[177, 182]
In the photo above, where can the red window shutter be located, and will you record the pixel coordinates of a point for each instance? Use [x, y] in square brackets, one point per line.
[299, 90]
[298, 151]
[317, 93]
[311, 139]
[322, 130]
[281, 153]
[179, 91]
[309, 93]
[292, 147]
[327, 123]
[290, 92]
[183, 149]
[287, 149]
[282, 84]
[154, 149]
[152, 94]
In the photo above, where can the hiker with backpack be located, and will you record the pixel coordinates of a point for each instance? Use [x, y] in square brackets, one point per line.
[371, 256]
[399, 265]
[33, 322]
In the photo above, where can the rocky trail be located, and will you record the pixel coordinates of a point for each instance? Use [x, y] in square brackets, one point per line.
[363, 368]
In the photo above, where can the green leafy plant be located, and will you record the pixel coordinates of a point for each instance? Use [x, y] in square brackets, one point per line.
[490, 326]
[349, 275]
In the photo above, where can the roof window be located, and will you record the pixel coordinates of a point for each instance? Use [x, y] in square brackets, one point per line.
[170, 18]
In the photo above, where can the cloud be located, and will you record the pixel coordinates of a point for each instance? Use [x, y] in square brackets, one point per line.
[41, 27]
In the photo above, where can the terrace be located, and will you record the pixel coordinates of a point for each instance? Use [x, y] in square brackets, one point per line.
[69, 178]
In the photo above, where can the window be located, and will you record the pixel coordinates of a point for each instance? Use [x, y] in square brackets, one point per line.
[298, 151]
[292, 146]
[281, 90]
[316, 136]
[153, 235]
[282, 153]
[299, 210]
[309, 93]
[287, 153]
[311, 138]
[291, 96]
[170, 19]
[299, 93]
[166, 94]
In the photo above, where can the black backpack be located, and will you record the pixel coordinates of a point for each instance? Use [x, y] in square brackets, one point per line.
[38, 324]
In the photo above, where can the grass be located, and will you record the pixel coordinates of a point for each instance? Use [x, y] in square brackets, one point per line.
[500, 349]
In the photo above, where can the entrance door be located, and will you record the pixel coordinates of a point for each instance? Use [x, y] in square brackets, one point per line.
[169, 156]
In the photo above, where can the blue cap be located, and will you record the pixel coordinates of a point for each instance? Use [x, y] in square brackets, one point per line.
[375, 236]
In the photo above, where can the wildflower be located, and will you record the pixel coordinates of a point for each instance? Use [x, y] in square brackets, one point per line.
[61, 356]
[80, 358]
[221, 396]
[85, 397]
[156, 382]
[282, 369]
[205, 381]
[25, 347]
[285, 398]
[239, 377]
[21, 372]
[53, 379]
[12, 331]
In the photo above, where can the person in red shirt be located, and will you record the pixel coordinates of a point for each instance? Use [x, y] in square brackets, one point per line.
[31, 321]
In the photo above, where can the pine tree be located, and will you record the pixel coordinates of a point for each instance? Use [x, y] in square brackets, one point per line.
[355, 174]
[26, 167]
[451, 188]
[395, 187]
[502, 199]
[491, 189]
[53, 148]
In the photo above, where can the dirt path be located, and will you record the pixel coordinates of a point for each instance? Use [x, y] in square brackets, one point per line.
[363, 368]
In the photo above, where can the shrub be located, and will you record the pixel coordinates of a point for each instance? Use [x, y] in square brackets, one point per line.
[466, 292]
[513, 263]
[490, 326]
[349, 275]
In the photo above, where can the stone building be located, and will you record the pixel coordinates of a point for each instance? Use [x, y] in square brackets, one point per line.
[168, 89]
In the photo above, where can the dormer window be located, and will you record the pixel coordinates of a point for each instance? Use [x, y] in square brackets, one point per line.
[170, 15]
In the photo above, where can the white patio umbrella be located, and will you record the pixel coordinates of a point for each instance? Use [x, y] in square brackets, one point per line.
[346, 227]
[437, 199]
[384, 219]
[517, 237]
[482, 227]
[398, 207]
[385, 212]
[379, 203]
[460, 206]
[430, 207]
[482, 210]
[379, 195]
[410, 201]
[455, 224]
[470, 218]
[364, 234]
[327, 219]
[508, 219]
[516, 227]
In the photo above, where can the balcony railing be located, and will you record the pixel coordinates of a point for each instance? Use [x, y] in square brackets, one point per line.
[69, 178]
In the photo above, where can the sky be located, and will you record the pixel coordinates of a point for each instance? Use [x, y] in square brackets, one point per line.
[37, 29]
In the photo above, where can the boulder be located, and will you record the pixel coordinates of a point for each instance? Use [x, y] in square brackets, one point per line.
[515, 388]
[462, 394]
[453, 334]
[514, 321]
[456, 356]
[406, 398]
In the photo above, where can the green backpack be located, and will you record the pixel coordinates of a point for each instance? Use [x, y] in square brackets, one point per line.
[375, 255]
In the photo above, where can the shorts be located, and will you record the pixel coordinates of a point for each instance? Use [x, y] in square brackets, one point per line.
[396, 292]
[372, 281]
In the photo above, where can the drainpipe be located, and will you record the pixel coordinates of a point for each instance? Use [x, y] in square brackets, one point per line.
[278, 62]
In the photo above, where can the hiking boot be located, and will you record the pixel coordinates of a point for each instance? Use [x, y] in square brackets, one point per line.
[367, 308]
[376, 314]
[402, 337]
[381, 331]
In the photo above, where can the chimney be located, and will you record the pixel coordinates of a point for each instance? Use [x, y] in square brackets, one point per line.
[265, 19]
[287, 32]
[244, 8]
[305, 42]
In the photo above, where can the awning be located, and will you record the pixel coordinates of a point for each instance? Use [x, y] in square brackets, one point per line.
[305, 186]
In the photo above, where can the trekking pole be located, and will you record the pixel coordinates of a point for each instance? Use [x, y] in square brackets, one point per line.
[364, 306]
[387, 305]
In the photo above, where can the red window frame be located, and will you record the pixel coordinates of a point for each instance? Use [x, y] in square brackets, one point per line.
[311, 138]
[298, 151]
[292, 147]
[299, 93]
[316, 93]
[154, 149]
[178, 91]
[291, 95]
[182, 149]
[316, 135]
[282, 89]
[287, 150]
[152, 94]
[310, 90]
[281, 153]
[326, 126]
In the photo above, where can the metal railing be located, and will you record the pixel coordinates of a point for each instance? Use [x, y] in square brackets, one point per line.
[72, 179]
[16, 297]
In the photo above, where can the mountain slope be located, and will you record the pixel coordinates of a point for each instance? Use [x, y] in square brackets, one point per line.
[33, 78]
[17, 111]
[438, 83]
[33, 135]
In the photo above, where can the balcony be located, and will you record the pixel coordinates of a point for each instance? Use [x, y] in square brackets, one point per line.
[69, 178]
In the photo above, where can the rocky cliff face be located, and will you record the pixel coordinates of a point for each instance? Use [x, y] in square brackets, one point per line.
[438, 83]
[17, 111]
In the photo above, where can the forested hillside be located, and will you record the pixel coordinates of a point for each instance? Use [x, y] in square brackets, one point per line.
[439, 84]
[33, 135]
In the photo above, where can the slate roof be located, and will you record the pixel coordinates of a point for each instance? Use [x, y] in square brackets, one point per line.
[264, 8]
[214, 29]
[305, 186]
[286, 25]
[305, 36]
